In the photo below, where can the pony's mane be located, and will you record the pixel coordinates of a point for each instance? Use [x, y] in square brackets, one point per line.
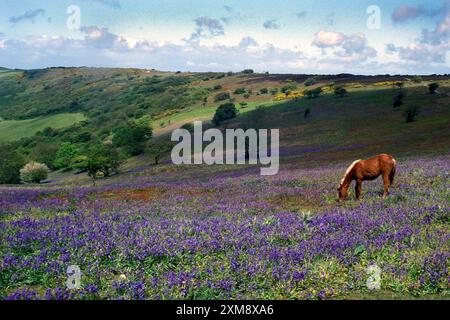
[349, 169]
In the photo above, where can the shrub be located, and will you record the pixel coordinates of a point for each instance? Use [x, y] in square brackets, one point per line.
[224, 112]
[222, 96]
[239, 91]
[34, 172]
[248, 71]
[340, 91]
[417, 79]
[264, 91]
[274, 91]
[10, 163]
[289, 87]
[410, 114]
[432, 87]
[398, 101]
[217, 87]
[310, 81]
[314, 93]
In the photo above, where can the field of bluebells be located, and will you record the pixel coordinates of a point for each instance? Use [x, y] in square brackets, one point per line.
[230, 234]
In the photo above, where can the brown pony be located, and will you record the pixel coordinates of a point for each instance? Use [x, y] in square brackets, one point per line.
[370, 169]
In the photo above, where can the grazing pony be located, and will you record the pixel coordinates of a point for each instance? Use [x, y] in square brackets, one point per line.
[370, 169]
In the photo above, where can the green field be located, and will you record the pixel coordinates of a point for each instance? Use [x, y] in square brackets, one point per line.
[11, 130]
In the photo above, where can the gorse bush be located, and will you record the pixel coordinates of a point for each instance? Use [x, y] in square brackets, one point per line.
[34, 172]
[222, 96]
[432, 87]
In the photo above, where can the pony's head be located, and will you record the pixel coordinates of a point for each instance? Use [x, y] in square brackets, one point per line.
[342, 192]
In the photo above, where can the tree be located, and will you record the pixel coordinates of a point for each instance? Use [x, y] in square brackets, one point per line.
[101, 159]
[224, 112]
[66, 153]
[432, 87]
[34, 172]
[44, 152]
[159, 149]
[248, 71]
[410, 114]
[289, 87]
[131, 137]
[417, 79]
[398, 101]
[340, 91]
[11, 161]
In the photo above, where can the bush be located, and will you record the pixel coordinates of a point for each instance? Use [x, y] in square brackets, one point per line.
[274, 91]
[432, 87]
[410, 114]
[217, 87]
[398, 101]
[310, 81]
[314, 93]
[340, 91]
[222, 96]
[417, 79]
[10, 163]
[248, 71]
[264, 91]
[289, 87]
[239, 91]
[224, 112]
[34, 172]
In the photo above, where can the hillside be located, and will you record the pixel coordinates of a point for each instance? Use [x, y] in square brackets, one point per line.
[361, 123]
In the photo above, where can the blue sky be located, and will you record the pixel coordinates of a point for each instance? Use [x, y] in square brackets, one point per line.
[309, 36]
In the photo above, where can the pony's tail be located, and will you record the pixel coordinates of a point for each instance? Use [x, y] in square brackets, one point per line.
[392, 174]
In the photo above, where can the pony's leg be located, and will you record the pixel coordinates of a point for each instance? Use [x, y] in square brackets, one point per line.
[358, 189]
[386, 183]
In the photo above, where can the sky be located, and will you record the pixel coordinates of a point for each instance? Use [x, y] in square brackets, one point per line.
[289, 36]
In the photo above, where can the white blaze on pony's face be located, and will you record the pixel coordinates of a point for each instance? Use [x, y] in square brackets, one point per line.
[343, 190]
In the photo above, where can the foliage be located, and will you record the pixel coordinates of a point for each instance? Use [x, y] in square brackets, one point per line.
[34, 172]
[310, 81]
[432, 87]
[240, 91]
[410, 114]
[224, 112]
[314, 93]
[132, 136]
[289, 87]
[222, 96]
[340, 91]
[101, 159]
[65, 155]
[11, 161]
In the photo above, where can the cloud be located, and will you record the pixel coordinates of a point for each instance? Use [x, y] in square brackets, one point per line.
[207, 27]
[406, 13]
[248, 42]
[271, 24]
[354, 45]
[432, 46]
[29, 15]
[110, 3]
[102, 38]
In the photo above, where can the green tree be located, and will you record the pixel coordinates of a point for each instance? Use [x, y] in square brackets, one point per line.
[44, 152]
[66, 153]
[11, 161]
[222, 96]
[101, 159]
[132, 136]
[314, 93]
[224, 112]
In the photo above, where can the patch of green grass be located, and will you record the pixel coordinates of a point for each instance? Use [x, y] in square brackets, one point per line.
[11, 130]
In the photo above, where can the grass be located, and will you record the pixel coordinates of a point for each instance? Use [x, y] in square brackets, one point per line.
[11, 130]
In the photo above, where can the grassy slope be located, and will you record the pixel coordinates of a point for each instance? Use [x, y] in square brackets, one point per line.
[15, 129]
